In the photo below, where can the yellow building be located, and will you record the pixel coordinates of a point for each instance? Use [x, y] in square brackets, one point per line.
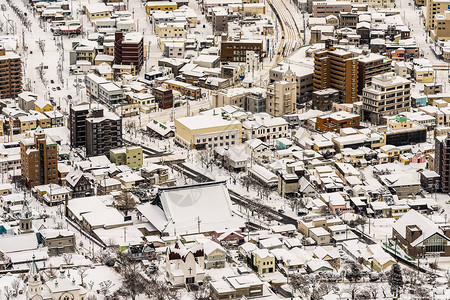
[27, 123]
[170, 30]
[108, 48]
[184, 88]
[433, 8]
[2, 127]
[250, 9]
[207, 132]
[399, 210]
[160, 5]
[424, 75]
[263, 261]
[441, 30]
[42, 106]
[130, 156]
[97, 11]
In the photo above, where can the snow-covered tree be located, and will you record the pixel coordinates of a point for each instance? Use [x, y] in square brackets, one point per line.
[395, 280]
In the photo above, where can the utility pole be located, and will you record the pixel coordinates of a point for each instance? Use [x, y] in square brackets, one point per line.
[198, 224]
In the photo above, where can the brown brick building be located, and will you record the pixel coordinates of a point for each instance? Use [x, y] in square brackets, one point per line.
[336, 121]
[129, 49]
[164, 97]
[10, 74]
[369, 66]
[338, 69]
[39, 159]
[236, 51]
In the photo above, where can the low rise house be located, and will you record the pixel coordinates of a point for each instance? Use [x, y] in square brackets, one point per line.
[58, 241]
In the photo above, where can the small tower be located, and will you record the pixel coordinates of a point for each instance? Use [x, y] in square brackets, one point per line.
[34, 280]
[26, 219]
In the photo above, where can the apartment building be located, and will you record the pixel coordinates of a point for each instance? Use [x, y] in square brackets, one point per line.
[39, 159]
[303, 78]
[442, 161]
[77, 123]
[207, 132]
[236, 51]
[336, 121]
[10, 74]
[282, 97]
[171, 30]
[129, 49]
[130, 156]
[250, 99]
[103, 132]
[433, 8]
[370, 65]
[388, 95]
[338, 69]
[164, 97]
[441, 28]
[326, 8]
[219, 20]
[325, 99]
[184, 88]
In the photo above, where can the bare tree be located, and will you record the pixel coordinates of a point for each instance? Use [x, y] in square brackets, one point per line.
[126, 201]
[15, 285]
[41, 73]
[105, 287]
[8, 292]
[41, 45]
[67, 257]
[83, 273]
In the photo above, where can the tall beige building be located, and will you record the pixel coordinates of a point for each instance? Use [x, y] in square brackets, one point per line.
[434, 7]
[441, 28]
[282, 96]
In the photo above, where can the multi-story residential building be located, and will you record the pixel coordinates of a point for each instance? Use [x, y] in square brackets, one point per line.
[207, 132]
[164, 97]
[130, 156]
[110, 93]
[10, 74]
[303, 78]
[388, 95]
[174, 50]
[433, 8]
[103, 132]
[324, 99]
[39, 159]
[326, 8]
[336, 121]
[282, 97]
[442, 161]
[236, 51]
[129, 49]
[171, 30]
[220, 20]
[250, 99]
[77, 122]
[370, 65]
[184, 88]
[338, 69]
[93, 82]
[441, 28]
